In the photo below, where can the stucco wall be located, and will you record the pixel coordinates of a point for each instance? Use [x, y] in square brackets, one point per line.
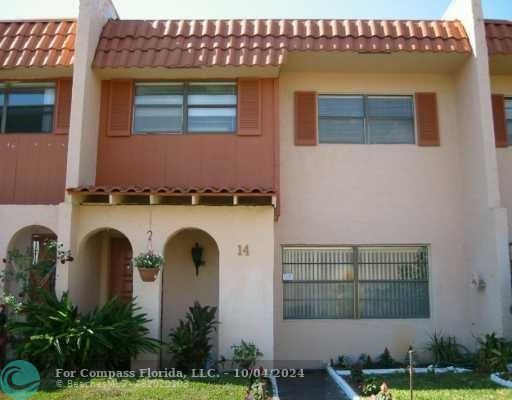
[373, 194]
[245, 282]
[181, 286]
[502, 84]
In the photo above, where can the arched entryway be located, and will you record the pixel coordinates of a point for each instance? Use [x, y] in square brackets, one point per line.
[182, 286]
[32, 247]
[103, 269]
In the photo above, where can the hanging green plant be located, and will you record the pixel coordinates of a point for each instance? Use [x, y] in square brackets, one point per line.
[148, 264]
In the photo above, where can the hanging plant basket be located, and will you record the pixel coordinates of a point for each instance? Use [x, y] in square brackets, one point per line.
[148, 274]
[149, 265]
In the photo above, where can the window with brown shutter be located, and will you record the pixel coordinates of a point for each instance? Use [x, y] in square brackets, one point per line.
[249, 107]
[305, 119]
[500, 124]
[120, 110]
[427, 119]
[63, 106]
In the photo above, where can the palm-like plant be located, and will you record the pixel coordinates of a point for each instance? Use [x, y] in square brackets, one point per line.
[54, 334]
[190, 341]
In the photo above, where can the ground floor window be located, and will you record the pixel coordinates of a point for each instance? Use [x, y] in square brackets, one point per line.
[355, 282]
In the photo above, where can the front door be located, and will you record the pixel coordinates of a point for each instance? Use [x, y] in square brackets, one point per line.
[121, 276]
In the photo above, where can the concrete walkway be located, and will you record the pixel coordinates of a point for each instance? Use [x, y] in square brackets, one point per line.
[316, 385]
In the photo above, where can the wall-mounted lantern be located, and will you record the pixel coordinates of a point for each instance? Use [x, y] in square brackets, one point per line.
[197, 257]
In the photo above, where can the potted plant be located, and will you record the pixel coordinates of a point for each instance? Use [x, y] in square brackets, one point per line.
[148, 264]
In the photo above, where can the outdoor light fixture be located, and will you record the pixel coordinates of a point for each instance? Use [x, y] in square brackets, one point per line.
[197, 257]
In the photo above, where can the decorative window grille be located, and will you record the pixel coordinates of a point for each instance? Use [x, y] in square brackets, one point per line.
[357, 282]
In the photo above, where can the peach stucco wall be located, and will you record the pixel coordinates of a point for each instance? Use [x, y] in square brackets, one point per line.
[502, 84]
[374, 194]
[245, 297]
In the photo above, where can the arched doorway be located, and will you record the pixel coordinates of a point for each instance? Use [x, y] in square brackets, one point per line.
[31, 248]
[104, 269]
[181, 286]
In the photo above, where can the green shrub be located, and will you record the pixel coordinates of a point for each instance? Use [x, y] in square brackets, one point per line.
[356, 374]
[342, 362]
[190, 341]
[53, 334]
[386, 361]
[366, 361]
[370, 386]
[493, 354]
[245, 354]
[445, 350]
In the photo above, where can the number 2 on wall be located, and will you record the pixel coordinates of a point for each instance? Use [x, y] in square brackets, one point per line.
[243, 250]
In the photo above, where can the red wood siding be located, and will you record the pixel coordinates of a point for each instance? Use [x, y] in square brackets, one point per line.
[427, 119]
[217, 160]
[305, 119]
[33, 168]
[500, 122]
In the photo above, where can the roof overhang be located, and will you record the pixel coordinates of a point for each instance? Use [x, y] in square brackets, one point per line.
[500, 64]
[167, 195]
[352, 62]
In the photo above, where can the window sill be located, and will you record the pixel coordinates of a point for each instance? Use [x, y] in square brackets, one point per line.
[183, 133]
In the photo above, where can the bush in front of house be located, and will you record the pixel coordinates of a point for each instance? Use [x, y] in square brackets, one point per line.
[52, 333]
[190, 344]
[245, 354]
[493, 353]
[446, 351]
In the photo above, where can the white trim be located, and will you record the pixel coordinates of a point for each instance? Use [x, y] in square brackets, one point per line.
[344, 387]
[275, 390]
[346, 372]
[495, 377]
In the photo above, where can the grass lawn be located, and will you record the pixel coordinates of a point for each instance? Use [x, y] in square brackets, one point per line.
[467, 386]
[222, 388]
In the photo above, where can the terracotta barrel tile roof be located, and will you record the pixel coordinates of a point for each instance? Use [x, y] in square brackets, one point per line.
[37, 43]
[168, 190]
[499, 36]
[196, 43]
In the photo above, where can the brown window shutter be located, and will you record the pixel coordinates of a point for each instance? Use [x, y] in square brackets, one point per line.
[427, 119]
[305, 119]
[500, 123]
[249, 107]
[63, 106]
[120, 110]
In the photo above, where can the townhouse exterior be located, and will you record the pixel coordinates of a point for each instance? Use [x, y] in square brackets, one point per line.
[348, 180]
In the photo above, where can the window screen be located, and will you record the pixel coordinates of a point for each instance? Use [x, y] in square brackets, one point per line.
[365, 119]
[27, 109]
[211, 107]
[355, 282]
[185, 107]
[158, 108]
[508, 116]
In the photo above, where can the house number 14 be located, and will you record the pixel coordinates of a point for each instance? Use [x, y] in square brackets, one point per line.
[243, 250]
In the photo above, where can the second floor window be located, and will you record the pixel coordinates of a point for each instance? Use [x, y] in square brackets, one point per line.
[191, 107]
[365, 119]
[27, 108]
[508, 116]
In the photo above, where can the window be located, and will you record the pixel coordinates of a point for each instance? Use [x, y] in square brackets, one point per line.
[508, 116]
[27, 108]
[355, 282]
[206, 107]
[365, 119]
